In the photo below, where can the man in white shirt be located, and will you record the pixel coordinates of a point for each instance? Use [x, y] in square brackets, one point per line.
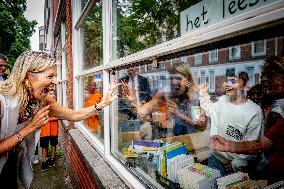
[3, 67]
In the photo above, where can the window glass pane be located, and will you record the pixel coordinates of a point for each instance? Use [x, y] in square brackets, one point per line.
[93, 93]
[235, 52]
[138, 25]
[161, 110]
[259, 48]
[92, 37]
[211, 81]
[198, 58]
[202, 77]
[213, 56]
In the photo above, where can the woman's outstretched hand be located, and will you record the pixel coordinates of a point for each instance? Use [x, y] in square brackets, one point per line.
[108, 99]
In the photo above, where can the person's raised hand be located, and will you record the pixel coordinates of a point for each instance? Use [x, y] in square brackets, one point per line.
[203, 89]
[109, 98]
[126, 91]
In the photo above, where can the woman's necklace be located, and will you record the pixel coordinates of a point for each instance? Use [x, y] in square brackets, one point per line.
[29, 111]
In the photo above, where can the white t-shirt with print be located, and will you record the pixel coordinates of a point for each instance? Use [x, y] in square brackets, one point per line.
[233, 122]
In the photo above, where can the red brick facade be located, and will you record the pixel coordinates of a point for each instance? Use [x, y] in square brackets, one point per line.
[81, 175]
[69, 56]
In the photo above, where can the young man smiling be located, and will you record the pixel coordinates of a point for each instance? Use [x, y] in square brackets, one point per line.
[235, 118]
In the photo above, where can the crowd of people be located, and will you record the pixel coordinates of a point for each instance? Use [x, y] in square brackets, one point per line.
[244, 122]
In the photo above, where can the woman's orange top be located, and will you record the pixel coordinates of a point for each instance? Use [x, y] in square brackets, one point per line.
[49, 129]
[163, 109]
[92, 99]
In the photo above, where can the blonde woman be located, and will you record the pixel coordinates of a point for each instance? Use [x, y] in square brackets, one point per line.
[25, 107]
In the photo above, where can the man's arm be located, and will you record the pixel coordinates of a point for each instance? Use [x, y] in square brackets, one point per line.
[246, 147]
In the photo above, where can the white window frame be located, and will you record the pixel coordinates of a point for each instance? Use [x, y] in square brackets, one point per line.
[145, 67]
[251, 81]
[78, 74]
[238, 56]
[253, 43]
[184, 59]
[211, 81]
[210, 34]
[198, 59]
[210, 53]
[61, 72]
[173, 62]
[202, 76]
[163, 65]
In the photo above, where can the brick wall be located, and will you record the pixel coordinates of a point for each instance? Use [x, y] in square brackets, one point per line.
[55, 6]
[219, 80]
[81, 175]
[190, 60]
[223, 55]
[69, 56]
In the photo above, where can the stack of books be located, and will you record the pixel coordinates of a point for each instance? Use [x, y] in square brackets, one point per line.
[198, 176]
[177, 163]
[145, 146]
[167, 152]
[240, 180]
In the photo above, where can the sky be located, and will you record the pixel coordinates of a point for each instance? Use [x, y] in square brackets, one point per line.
[35, 11]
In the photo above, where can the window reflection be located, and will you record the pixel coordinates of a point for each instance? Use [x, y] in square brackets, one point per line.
[93, 94]
[182, 100]
[138, 25]
[92, 37]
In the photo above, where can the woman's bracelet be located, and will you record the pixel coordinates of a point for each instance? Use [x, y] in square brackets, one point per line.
[97, 107]
[19, 137]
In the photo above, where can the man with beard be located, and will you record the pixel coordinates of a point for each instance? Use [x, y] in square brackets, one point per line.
[272, 143]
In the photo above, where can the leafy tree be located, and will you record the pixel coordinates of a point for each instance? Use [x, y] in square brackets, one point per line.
[137, 25]
[15, 29]
[93, 36]
[145, 23]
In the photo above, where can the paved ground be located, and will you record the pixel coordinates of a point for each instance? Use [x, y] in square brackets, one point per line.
[55, 178]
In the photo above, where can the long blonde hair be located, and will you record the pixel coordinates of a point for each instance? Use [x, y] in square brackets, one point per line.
[28, 62]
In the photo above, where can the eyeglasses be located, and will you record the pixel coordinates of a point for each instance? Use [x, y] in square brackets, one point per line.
[1, 65]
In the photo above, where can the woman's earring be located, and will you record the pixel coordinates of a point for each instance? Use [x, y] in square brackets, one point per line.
[28, 85]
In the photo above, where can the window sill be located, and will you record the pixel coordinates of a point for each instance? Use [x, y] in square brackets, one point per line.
[103, 173]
